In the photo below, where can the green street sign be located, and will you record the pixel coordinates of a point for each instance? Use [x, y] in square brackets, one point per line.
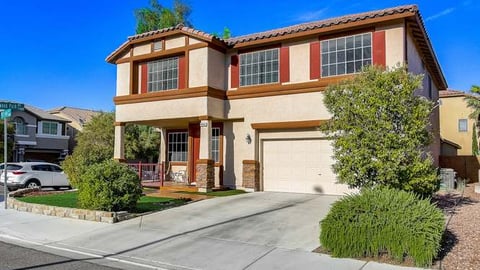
[10, 105]
[6, 114]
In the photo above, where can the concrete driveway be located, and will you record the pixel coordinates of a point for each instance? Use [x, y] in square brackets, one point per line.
[242, 231]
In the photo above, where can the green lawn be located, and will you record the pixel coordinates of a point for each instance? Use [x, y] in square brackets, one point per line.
[220, 193]
[69, 199]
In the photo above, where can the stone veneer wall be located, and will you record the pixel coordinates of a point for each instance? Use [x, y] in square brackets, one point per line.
[83, 214]
[251, 174]
[205, 174]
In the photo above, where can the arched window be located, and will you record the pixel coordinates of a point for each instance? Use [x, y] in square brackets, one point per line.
[20, 126]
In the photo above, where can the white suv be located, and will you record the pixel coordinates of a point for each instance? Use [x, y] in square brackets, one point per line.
[33, 174]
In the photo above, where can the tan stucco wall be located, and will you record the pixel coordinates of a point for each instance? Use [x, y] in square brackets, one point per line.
[299, 56]
[197, 67]
[174, 42]
[123, 79]
[394, 44]
[192, 40]
[170, 109]
[299, 107]
[142, 49]
[451, 110]
[216, 69]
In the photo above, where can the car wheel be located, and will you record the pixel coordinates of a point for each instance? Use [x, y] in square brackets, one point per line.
[32, 184]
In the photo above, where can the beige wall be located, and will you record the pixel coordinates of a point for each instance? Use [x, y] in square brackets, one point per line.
[216, 69]
[123, 79]
[451, 110]
[174, 42]
[394, 43]
[299, 56]
[198, 67]
[142, 49]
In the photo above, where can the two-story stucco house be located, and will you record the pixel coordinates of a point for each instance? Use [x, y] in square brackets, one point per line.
[39, 136]
[245, 112]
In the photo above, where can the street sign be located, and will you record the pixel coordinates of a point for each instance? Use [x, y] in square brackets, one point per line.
[6, 113]
[10, 105]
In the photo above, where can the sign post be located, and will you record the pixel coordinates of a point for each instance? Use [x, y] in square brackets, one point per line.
[7, 108]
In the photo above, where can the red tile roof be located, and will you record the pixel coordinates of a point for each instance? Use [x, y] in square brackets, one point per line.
[322, 23]
[452, 93]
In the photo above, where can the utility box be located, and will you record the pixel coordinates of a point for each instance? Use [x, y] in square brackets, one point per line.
[447, 179]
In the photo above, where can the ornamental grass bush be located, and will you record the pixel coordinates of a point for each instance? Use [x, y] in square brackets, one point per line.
[109, 186]
[383, 222]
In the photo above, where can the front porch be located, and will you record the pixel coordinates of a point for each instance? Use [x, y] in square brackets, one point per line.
[190, 154]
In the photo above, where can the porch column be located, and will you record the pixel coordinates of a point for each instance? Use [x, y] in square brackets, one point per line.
[162, 148]
[205, 168]
[119, 148]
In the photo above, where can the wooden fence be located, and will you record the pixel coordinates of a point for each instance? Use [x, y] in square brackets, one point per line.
[466, 166]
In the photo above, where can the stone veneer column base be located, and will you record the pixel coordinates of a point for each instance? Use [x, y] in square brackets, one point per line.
[205, 175]
[251, 174]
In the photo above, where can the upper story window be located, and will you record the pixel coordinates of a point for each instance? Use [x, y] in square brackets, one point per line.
[50, 128]
[260, 67]
[157, 45]
[20, 126]
[177, 146]
[346, 55]
[162, 74]
[462, 125]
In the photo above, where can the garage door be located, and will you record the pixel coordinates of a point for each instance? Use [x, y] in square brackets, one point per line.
[302, 166]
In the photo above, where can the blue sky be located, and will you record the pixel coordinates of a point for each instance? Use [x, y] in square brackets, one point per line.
[53, 51]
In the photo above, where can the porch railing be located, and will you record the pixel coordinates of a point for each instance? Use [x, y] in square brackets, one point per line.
[149, 171]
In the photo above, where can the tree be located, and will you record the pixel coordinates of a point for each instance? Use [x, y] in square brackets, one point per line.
[380, 131]
[141, 142]
[158, 16]
[474, 140]
[95, 144]
[225, 35]
[10, 132]
[473, 102]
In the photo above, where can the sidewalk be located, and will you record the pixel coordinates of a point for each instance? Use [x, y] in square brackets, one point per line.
[156, 242]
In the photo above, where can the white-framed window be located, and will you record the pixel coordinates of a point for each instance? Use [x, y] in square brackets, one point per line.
[20, 126]
[259, 67]
[50, 128]
[177, 146]
[216, 144]
[346, 55]
[462, 125]
[162, 74]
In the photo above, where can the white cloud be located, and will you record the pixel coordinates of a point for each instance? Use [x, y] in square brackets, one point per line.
[440, 14]
[311, 15]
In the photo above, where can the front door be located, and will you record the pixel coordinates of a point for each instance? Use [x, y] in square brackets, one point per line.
[194, 155]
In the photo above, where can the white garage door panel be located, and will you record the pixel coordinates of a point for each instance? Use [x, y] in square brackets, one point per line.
[302, 166]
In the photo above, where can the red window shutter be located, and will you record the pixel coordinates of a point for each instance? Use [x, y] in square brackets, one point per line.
[379, 52]
[284, 65]
[315, 60]
[144, 79]
[234, 72]
[181, 72]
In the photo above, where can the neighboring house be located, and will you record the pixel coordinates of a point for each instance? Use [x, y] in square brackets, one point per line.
[455, 124]
[77, 119]
[245, 112]
[39, 136]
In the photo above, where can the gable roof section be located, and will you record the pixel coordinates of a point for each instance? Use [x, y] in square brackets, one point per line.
[408, 12]
[80, 116]
[39, 113]
[451, 93]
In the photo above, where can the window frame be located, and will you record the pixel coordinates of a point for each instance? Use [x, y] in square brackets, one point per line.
[327, 55]
[216, 141]
[23, 125]
[177, 145]
[156, 78]
[250, 67]
[460, 128]
[49, 128]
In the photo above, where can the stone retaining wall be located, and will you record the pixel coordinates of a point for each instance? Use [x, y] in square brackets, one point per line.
[83, 214]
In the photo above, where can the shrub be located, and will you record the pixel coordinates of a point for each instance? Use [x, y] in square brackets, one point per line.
[383, 221]
[109, 186]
